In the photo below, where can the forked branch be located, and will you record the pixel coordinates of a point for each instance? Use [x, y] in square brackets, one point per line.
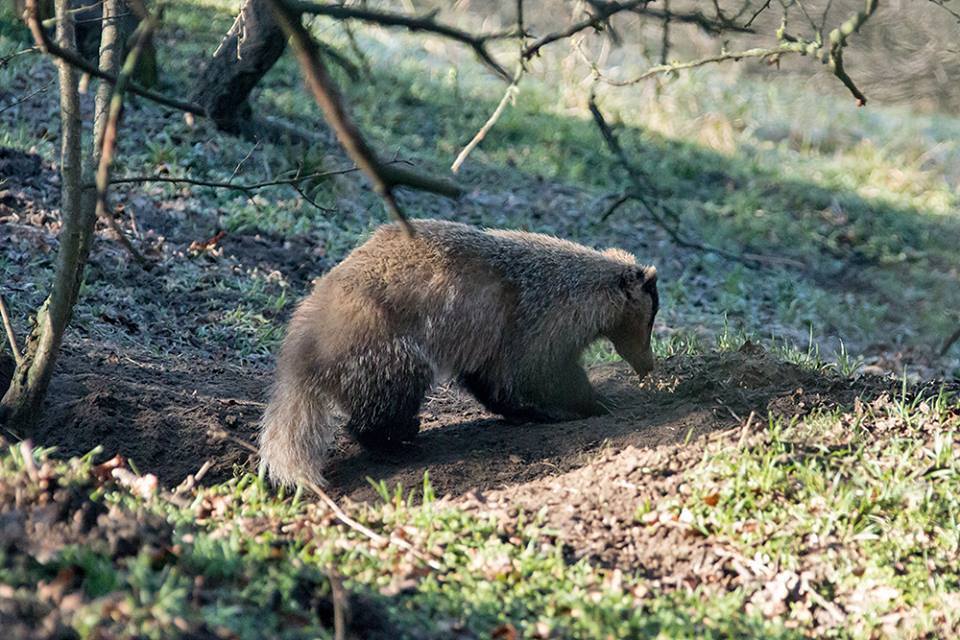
[641, 185]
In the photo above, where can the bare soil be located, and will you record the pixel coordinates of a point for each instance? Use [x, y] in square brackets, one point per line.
[169, 415]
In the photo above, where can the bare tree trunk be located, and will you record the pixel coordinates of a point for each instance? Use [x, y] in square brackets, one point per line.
[251, 47]
[112, 37]
[22, 402]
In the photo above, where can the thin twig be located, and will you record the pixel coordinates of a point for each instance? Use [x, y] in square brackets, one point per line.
[240, 164]
[191, 480]
[16, 54]
[709, 25]
[377, 538]
[720, 57]
[294, 183]
[508, 97]
[595, 20]
[756, 14]
[618, 201]
[11, 335]
[27, 97]
[943, 5]
[239, 186]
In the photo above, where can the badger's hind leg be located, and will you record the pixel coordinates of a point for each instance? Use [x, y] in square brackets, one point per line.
[386, 388]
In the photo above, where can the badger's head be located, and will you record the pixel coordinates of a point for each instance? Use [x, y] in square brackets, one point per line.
[630, 333]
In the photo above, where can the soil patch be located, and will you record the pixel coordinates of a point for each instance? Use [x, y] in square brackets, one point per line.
[168, 415]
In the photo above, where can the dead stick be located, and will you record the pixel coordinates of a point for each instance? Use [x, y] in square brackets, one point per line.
[342, 516]
[11, 335]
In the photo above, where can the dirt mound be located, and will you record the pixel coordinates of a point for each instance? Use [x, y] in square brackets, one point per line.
[465, 448]
[599, 511]
[169, 415]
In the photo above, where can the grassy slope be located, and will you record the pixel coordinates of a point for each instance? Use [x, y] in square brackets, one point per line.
[857, 507]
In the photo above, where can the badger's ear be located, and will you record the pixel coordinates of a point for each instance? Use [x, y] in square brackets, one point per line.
[636, 279]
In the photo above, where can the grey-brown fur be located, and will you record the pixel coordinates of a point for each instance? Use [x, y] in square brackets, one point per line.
[506, 313]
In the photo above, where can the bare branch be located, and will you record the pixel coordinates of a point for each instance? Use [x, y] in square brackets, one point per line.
[11, 335]
[709, 25]
[238, 186]
[294, 183]
[790, 47]
[838, 40]
[425, 23]
[508, 96]
[595, 21]
[27, 97]
[943, 5]
[385, 178]
[5, 60]
[606, 10]
[756, 14]
[642, 185]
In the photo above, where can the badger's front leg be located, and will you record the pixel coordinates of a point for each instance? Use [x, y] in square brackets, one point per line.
[545, 394]
[564, 392]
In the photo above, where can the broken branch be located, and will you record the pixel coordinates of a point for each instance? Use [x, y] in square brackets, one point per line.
[508, 96]
[425, 23]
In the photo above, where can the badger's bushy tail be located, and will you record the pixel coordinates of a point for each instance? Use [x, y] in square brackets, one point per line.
[296, 433]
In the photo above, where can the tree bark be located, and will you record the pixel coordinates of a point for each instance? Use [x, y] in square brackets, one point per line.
[22, 402]
[251, 47]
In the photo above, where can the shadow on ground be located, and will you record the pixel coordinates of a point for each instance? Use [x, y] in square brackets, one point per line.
[169, 418]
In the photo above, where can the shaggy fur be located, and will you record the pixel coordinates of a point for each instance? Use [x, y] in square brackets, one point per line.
[506, 313]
